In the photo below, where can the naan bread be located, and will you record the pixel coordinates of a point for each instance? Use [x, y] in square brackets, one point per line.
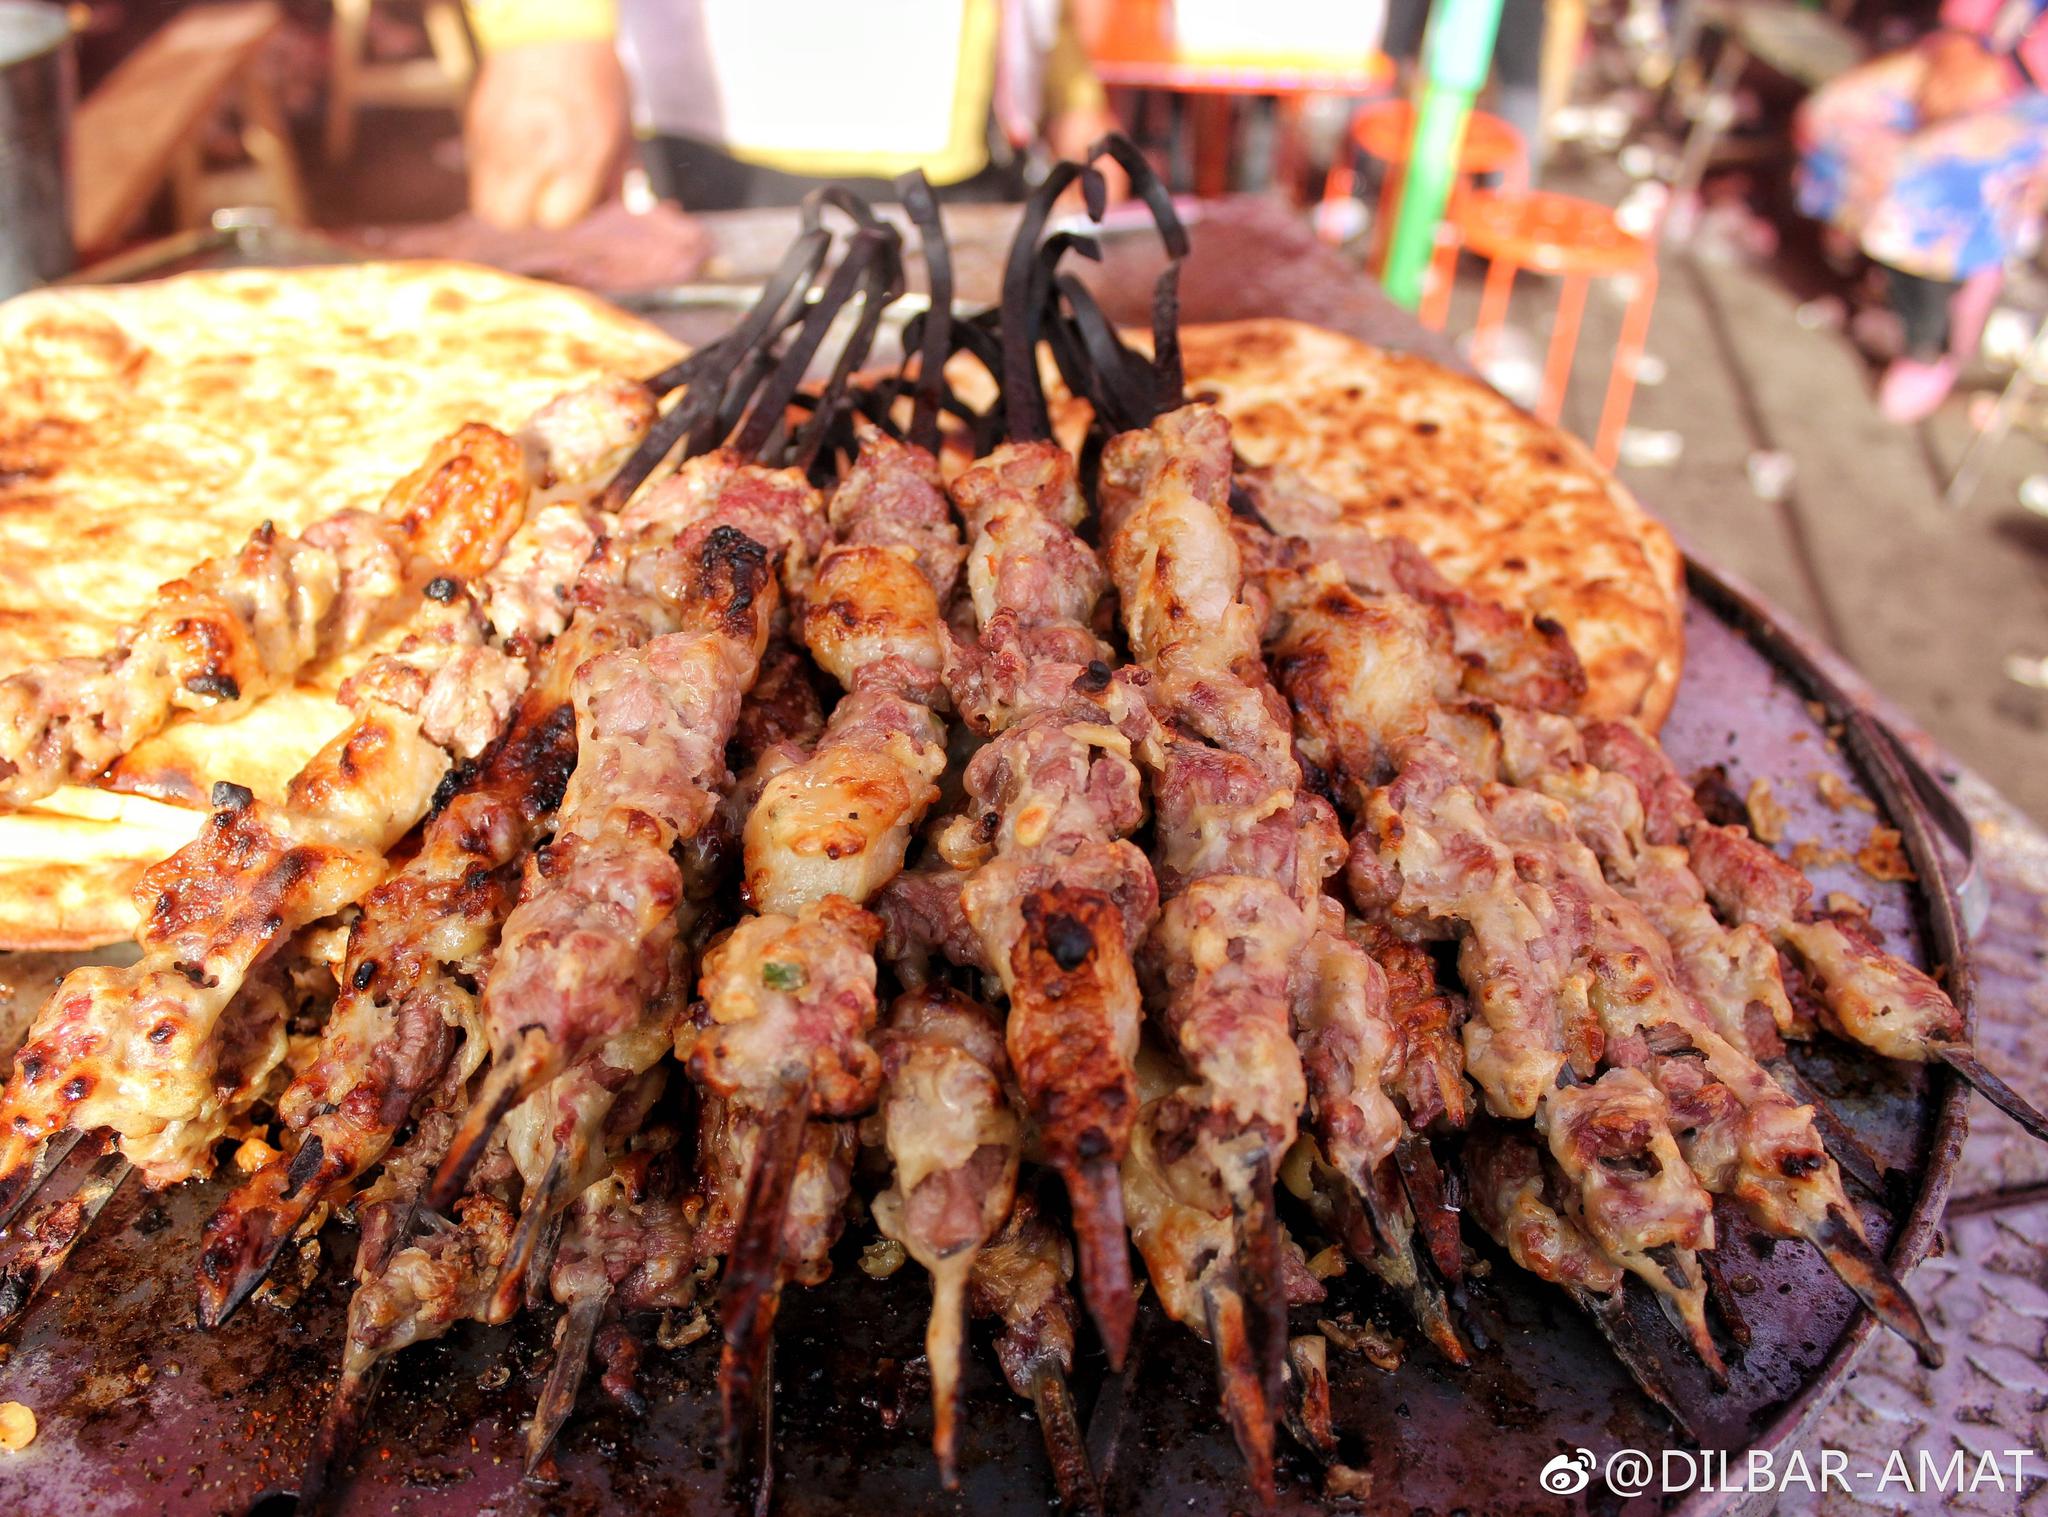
[146, 427]
[1507, 506]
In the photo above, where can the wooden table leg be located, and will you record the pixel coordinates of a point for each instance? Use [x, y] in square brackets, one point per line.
[188, 181]
[267, 141]
[347, 39]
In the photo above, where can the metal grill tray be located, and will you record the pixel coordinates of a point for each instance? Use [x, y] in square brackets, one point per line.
[141, 1412]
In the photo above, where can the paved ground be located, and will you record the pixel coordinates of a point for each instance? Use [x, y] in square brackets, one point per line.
[1926, 604]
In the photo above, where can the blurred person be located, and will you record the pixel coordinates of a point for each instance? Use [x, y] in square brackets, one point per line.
[1932, 160]
[741, 103]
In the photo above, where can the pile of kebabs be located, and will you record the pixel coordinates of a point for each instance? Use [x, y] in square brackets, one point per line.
[1035, 780]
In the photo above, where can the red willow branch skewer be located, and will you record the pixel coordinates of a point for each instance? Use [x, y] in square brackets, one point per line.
[1527, 1207]
[629, 1245]
[585, 951]
[1020, 1277]
[421, 1291]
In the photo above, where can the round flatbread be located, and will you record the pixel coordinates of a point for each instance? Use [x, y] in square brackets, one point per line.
[1510, 507]
[146, 427]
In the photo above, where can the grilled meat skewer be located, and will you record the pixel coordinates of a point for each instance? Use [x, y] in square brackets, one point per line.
[955, 1144]
[1242, 851]
[1869, 996]
[404, 1007]
[1441, 842]
[1233, 816]
[789, 996]
[137, 1048]
[1369, 677]
[586, 947]
[1045, 890]
[407, 1006]
[232, 629]
[1020, 1276]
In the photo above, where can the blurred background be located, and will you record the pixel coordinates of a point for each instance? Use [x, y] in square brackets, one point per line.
[1777, 262]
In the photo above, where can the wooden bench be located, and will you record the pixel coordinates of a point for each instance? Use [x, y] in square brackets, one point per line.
[147, 123]
[439, 81]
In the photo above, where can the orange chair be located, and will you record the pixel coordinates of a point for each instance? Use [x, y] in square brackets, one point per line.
[1385, 130]
[1574, 240]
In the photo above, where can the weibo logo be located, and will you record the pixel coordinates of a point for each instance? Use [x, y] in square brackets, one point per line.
[1568, 1474]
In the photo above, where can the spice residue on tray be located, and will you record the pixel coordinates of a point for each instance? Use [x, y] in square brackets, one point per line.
[1767, 816]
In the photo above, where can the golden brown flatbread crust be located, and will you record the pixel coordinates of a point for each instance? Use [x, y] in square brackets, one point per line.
[146, 427]
[1506, 505]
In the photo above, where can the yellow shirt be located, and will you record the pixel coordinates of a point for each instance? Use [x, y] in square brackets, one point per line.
[878, 141]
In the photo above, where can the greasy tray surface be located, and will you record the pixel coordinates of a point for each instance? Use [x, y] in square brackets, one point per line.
[141, 1412]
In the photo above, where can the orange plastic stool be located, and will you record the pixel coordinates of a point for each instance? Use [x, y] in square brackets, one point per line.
[1385, 130]
[1575, 240]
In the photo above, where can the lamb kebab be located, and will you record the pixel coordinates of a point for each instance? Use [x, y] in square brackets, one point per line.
[955, 1145]
[1242, 852]
[234, 628]
[1341, 999]
[464, 506]
[789, 995]
[653, 721]
[1704, 1113]
[434, 701]
[631, 1239]
[417, 1293]
[1717, 989]
[1190, 1251]
[1868, 996]
[1369, 677]
[425, 936]
[135, 1048]
[1045, 890]
[628, 1241]
[585, 951]
[290, 989]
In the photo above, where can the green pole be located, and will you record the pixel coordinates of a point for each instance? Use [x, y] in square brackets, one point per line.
[1457, 52]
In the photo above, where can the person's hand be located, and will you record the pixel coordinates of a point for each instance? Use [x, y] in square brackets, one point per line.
[546, 132]
[1962, 75]
[1071, 133]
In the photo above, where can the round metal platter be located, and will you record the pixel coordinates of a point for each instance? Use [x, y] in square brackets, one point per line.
[141, 1412]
